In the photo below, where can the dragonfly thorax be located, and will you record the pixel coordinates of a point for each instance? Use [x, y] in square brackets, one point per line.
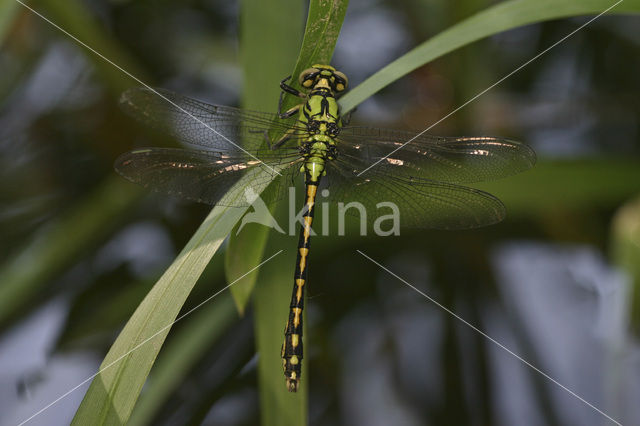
[320, 107]
[330, 129]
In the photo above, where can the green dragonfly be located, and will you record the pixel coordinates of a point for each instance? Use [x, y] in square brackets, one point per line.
[357, 164]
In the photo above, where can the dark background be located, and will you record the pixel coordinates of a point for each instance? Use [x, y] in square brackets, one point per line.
[545, 282]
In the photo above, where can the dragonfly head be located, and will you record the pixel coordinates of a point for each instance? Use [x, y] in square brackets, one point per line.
[323, 76]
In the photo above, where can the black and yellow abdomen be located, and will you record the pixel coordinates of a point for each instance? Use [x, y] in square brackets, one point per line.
[292, 346]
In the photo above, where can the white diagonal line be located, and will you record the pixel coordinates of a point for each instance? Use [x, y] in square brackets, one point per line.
[147, 340]
[494, 85]
[77, 40]
[492, 340]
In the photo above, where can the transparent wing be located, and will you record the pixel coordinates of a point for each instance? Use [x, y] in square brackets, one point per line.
[215, 127]
[209, 177]
[421, 203]
[449, 159]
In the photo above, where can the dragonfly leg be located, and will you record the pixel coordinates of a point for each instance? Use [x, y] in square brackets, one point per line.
[346, 119]
[282, 140]
[288, 113]
[286, 88]
[279, 142]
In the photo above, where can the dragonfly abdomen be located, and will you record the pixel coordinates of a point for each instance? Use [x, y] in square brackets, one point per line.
[292, 352]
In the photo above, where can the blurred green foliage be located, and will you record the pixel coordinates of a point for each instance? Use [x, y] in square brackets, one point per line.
[61, 130]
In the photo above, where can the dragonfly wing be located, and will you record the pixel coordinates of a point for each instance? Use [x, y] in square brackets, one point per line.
[449, 159]
[420, 203]
[205, 176]
[198, 123]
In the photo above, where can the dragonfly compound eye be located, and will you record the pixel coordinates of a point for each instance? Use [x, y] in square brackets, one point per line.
[341, 81]
[308, 77]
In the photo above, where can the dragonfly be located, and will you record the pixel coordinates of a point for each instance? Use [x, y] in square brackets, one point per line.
[231, 150]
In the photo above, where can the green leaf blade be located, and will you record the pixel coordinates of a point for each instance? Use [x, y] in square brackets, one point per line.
[114, 391]
[501, 17]
[182, 353]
